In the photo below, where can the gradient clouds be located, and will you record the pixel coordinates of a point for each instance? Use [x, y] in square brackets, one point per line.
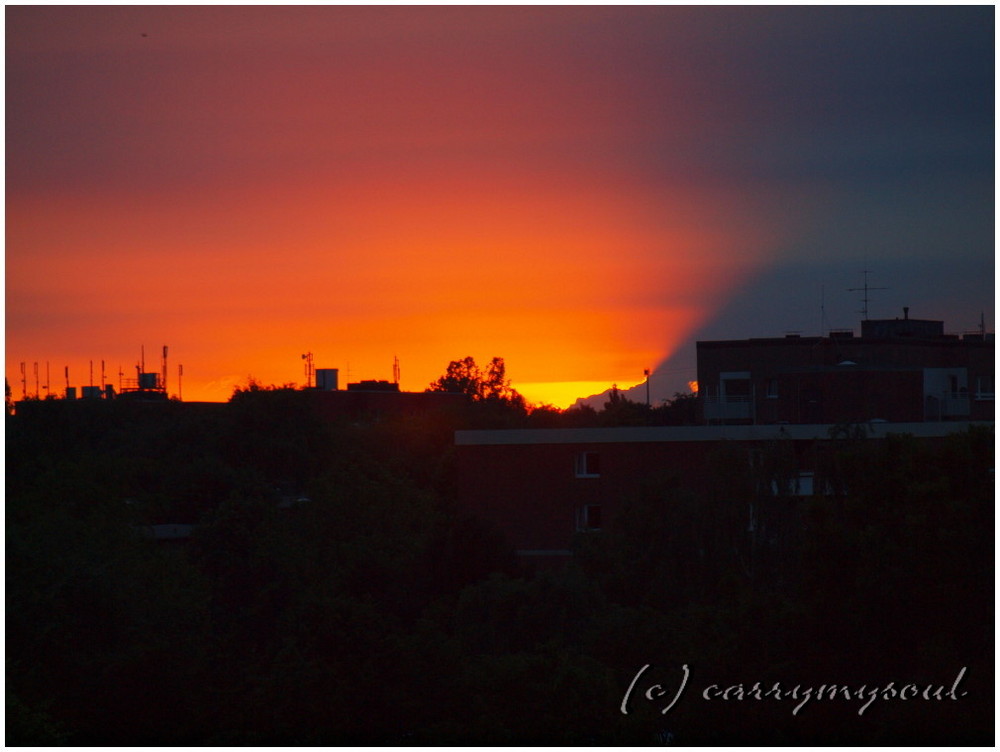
[577, 190]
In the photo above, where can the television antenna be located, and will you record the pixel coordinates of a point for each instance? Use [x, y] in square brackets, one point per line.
[866, 288]
[310, 370]
[822, 311]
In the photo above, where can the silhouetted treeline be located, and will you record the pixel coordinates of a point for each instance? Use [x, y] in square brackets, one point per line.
[334, 592]
[494, 403]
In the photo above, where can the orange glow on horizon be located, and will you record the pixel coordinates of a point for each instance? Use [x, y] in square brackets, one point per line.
[566, 288]
[419, 198]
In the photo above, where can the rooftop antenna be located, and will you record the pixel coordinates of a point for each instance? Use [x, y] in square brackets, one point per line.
[395, 370]
[48, 380]
[102, 385]
[66, 371]
[310, 370]
[822, 311]
[24, 382]
[164, 369]
[180, 373]
[91, 373]
[37, 391]
[865, 289]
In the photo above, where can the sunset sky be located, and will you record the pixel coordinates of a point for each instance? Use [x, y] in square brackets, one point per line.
[583, 191]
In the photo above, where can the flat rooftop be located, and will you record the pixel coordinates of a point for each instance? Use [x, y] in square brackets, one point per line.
[631, 434]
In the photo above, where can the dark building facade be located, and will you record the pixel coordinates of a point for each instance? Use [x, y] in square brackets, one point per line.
[544, 487]
[898, 370]
[372, 401]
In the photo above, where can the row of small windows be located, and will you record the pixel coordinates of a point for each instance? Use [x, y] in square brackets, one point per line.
[588, 516]
[736, 388]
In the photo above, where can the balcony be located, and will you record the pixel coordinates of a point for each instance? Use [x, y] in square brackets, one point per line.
[728, 407]
[944, 405]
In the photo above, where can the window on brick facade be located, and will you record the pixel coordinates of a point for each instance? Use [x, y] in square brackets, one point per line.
[588, 517]
[588, 465]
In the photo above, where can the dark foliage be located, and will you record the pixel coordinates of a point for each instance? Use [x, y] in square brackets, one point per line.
[333, 592]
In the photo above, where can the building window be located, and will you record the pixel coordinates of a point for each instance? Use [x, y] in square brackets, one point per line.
[984, 388]
[803, 485]
[588, 517]
[736, 390]
[588, 465]
[772, 388]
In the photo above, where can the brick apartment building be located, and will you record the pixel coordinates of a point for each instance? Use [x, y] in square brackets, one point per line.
[898, 370]
[758, 397]
[541, 487]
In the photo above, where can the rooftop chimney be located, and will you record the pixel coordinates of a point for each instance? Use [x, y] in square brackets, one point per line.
[906, 312]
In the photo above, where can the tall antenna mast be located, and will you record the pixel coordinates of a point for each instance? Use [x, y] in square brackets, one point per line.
[48, 381]
[24, 382]
[164, 384]
[865, 289]
[37, 391]
[310, 370]
[180, 373]
[395, 370]
[822, 311]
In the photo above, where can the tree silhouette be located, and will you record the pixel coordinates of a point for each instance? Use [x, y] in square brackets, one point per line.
[461, 377]
[492, 385]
